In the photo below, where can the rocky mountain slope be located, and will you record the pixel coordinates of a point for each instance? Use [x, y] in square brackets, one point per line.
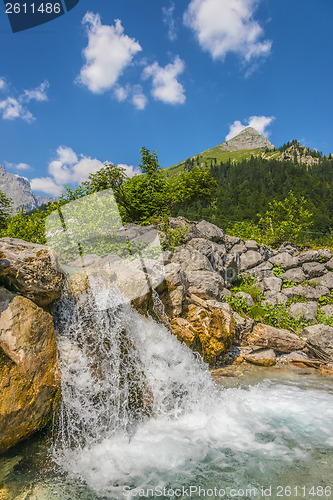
[19, 190]
[247, 139]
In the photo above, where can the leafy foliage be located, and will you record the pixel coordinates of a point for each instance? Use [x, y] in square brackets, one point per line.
[28, 227]
[5, 209]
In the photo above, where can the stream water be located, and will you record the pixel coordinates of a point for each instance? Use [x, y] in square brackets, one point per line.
[141, 417]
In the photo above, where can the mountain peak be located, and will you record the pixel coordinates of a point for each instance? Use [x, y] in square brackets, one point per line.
[249, 138]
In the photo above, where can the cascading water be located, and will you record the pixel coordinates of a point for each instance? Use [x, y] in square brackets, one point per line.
[140, 412]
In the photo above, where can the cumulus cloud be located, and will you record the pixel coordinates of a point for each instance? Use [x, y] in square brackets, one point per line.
[15, 107]
[223, 26]
[139, 100]
[260, 123]
[69, 168]
[130, 171]
[108, 53]
[2, 83]
[121, 93]
[37, 94]
[169, 20]
[166, 87]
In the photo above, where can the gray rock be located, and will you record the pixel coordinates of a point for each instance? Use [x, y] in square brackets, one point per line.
[230, 241]
[247, 297]
[191, 259]
[210, 231]
[271, 284]
[285, 260]
[206, 284]
[320, 336]
[214, 252]
[309, 256]
[326, 280]
[264, 270]
[325, 253]
[307, 291]
[313, 269]
[267, 252]
[273, 298]
[294, 275]
[307, 310]
[328, 310]
[238, 249]
[290, 248]
[329, 265]
[252, 245]
[232, 268]
[244, 327]
[250, 259]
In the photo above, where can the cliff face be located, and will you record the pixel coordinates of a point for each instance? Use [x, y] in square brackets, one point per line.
[247, 139]
[19, 190]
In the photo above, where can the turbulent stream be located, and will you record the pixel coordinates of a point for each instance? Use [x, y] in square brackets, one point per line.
[141, 417]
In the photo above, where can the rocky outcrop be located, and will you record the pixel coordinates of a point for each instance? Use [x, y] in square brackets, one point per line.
[28, 368]
[249, 138]
[19, 190]
[31, 270]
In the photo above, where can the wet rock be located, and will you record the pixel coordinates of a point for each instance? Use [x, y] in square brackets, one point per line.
[306, 310]
[285, 260]
[31, 270]
[265, 357]
[29, 384]
[244, 327]
[172, 291]
[209, 330]
[320, 336]
[275, 338]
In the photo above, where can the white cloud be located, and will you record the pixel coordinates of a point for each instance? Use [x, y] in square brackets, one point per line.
[37, 94]
[260, 123]
[139, 100]
[223, 26]
[11, 109]
[68, 168]
[169, 20]
[121, 93]
[108, 53]
[130, 171]
[166, 87]
[18, 166]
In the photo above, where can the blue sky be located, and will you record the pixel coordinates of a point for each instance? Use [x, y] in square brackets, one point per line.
[177, 76]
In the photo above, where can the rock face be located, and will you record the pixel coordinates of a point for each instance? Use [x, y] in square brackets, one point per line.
[31, 270]
[19, 190]
[28, 368]
[249, 138]
[208, 328]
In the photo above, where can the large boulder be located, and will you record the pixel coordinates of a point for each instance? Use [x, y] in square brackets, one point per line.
[326, 280]
[206, 284]
[307, 291]
[214, 252]
[275, 338]
[306, 310]
[31, 270]
[261, 357]
[29, 384]
[294, 275]
[191, 259]
[250, 259]
[320, 336]
[285, 260]
[210, 231]
[207, 327]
